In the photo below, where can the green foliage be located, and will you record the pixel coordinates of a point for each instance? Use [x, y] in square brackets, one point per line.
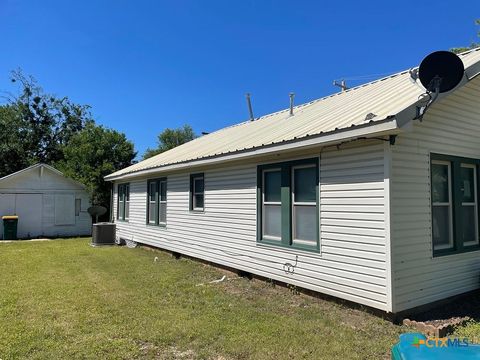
[171, 138]
[66, 300]
[13, 154]
[41, 124]
[471, 331]
[38, 127]
[93, 153]
[473, 44]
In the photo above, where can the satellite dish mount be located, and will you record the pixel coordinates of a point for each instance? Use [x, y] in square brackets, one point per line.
[96, 211]
[439, 72]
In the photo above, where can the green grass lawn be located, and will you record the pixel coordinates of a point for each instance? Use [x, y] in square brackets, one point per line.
[65, 299]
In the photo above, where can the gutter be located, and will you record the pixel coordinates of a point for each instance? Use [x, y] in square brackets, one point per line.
[387, 126]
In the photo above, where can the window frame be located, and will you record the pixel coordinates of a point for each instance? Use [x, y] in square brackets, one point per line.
[78, 206]
[300, 203]
[123, 197]
[194, 177]
[275, 203]
[157, 202]
[286, 240]
[474, 204]
[160, 201]
[456, 195]
[448, 204]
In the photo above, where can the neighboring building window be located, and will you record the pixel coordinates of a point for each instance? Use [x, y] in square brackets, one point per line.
[288, 204]
[157, 202]
[123, 203]
[454, 204]
[197, 192]
[78, 206]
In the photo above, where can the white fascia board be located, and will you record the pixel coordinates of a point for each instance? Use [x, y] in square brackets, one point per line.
[379, 129]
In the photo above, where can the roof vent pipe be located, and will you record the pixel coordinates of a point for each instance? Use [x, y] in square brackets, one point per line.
[249, 103]
[292, 96]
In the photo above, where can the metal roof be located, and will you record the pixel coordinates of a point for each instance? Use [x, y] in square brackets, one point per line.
[380, 100]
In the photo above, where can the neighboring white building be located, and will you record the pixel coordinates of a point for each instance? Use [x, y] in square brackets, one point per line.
[46, 202]
[349, 196]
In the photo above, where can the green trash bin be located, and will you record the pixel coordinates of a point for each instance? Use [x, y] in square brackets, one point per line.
[10, 227]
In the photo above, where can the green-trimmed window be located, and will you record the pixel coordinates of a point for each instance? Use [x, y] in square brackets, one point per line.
[197, 192]
[123, 202]
[287, 204]
[454, 197]
[157, 202]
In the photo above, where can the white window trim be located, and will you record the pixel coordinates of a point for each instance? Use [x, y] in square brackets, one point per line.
[300, 203]
[449, 204]
[276, 203]
[474, 204]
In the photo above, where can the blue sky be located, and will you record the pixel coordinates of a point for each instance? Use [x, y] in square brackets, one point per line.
[147, 65]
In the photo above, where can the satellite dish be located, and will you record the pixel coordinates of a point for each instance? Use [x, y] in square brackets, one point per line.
[97, 211]
[441, 71]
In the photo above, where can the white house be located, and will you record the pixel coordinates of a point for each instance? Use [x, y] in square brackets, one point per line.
[348, 196]
[46, 202]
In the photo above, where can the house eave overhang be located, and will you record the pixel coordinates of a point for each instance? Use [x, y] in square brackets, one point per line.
[387, 126]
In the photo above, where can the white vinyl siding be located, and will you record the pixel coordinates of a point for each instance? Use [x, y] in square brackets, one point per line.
[352, 261]
[450, 127]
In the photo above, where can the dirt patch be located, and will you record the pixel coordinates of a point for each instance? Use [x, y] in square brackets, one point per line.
[442, 320]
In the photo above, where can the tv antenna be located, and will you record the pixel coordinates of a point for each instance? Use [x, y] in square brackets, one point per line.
[342, 84]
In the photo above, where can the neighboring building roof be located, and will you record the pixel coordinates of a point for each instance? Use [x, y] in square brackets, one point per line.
[40, 165]
[382, 100]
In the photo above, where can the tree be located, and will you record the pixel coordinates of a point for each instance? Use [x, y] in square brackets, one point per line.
[93, 153]
[12, 133]
[170, 138]
[35, 125]
[473, 45]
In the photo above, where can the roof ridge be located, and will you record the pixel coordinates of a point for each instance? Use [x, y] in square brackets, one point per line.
[337, 93]
[311, 102]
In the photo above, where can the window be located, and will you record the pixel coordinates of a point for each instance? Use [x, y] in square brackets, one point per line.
[78, 206]
[197, 192]
[442, 219]
[123, 202]
[157, 202]
[468, 186]
[454, 197]
[304, 204]
[272, 205]
[288, 204]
